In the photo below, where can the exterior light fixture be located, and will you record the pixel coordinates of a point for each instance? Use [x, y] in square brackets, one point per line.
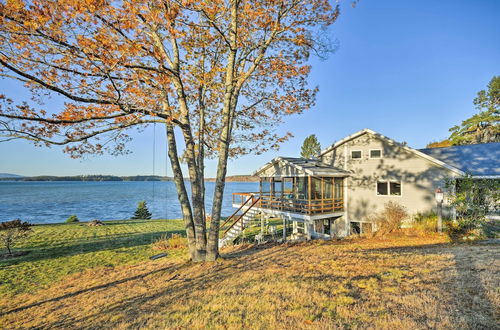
[439, 195]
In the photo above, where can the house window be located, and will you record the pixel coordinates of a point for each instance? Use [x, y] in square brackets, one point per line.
[356, 154]
[395, 188]
[358, 228]
[375, 153]
[366, 228]
[385, 188]
[355, 228]
[382, 188]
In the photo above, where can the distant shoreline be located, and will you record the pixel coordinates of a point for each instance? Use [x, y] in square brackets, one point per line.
[112, 178]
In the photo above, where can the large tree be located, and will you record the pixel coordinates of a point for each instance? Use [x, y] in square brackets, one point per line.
[220, 75]
[484, 126]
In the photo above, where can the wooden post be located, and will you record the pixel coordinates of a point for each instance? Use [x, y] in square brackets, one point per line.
[439, 199]
[282, 194]
[322, 193]
[322, 188]
[309, 194]
[262, 223]
[440, 217]
[271, 189]
[284, 228]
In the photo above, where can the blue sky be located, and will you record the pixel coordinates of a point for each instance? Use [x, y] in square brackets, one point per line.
[407, 69]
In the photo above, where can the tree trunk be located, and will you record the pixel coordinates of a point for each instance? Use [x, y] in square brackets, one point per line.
[182, 193]
[7, 244]
[225, 137]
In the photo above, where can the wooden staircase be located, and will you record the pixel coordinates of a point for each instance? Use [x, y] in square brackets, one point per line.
[238, 222]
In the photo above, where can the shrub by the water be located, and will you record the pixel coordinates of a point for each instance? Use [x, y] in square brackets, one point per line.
[142, 211]
[72, 218]
[95, 223]
[13, 231]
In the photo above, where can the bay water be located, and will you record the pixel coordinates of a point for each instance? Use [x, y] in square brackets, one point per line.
[54, 201]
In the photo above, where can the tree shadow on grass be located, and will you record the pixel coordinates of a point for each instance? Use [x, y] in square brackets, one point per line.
[87, 246]
[469, 306]
[182, 284]
[181, 287]
[78, 292]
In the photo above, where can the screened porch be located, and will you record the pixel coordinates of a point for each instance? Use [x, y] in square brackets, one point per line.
[296, 194]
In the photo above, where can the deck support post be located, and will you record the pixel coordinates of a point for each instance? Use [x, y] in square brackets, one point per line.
[284, 228]
[262, 224]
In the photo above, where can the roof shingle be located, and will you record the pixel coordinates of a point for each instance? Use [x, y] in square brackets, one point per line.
[475, 159]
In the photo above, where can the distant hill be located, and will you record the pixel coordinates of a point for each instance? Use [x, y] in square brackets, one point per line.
[9, 175]
[88, 178]
[14, 177]
[238, 178]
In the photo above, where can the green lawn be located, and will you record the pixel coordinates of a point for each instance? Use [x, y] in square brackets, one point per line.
[57, 250]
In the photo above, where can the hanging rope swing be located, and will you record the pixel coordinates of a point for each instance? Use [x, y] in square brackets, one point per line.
[154, 159]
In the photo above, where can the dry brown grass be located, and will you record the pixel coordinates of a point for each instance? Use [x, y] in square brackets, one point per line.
[397, 282]
[175, 241]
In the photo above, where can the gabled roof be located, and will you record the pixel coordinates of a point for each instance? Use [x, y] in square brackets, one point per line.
[346, 139]
[481, 160]
[391, 141]
[311, 167]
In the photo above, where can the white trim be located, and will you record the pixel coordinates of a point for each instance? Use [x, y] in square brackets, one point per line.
[360, 158]
[370, 154]
[485, 177]
[306, 172]
[389, 188]
[346, 199]
[342, 141]
[390, 141]
[301, 217]
[266, 165]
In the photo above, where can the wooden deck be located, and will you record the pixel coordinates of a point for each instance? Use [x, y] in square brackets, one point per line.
[283, 202]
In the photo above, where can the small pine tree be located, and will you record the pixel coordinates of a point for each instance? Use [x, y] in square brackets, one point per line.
[72, 218]
[142, 211]
[311, 147]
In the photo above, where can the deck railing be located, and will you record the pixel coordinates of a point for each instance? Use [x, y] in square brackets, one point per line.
[283, 202]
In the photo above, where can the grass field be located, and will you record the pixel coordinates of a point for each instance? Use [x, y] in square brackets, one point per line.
[58, 250]
[398, 282]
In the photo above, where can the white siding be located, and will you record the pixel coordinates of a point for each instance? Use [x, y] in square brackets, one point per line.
[419, 177]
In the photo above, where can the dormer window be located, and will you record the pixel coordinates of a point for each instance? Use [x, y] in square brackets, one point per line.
[375, 153]
[356, 154]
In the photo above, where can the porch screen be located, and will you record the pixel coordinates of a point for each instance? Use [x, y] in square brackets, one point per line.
[328, 188]
[316, 188]
[265, 185]
[301, 188]
[288, 187]
[338, 188]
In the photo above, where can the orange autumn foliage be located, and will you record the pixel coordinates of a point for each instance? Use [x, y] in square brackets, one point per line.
[224, 73]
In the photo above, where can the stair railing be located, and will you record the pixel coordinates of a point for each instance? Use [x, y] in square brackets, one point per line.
[254, 201]
[235, 212]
